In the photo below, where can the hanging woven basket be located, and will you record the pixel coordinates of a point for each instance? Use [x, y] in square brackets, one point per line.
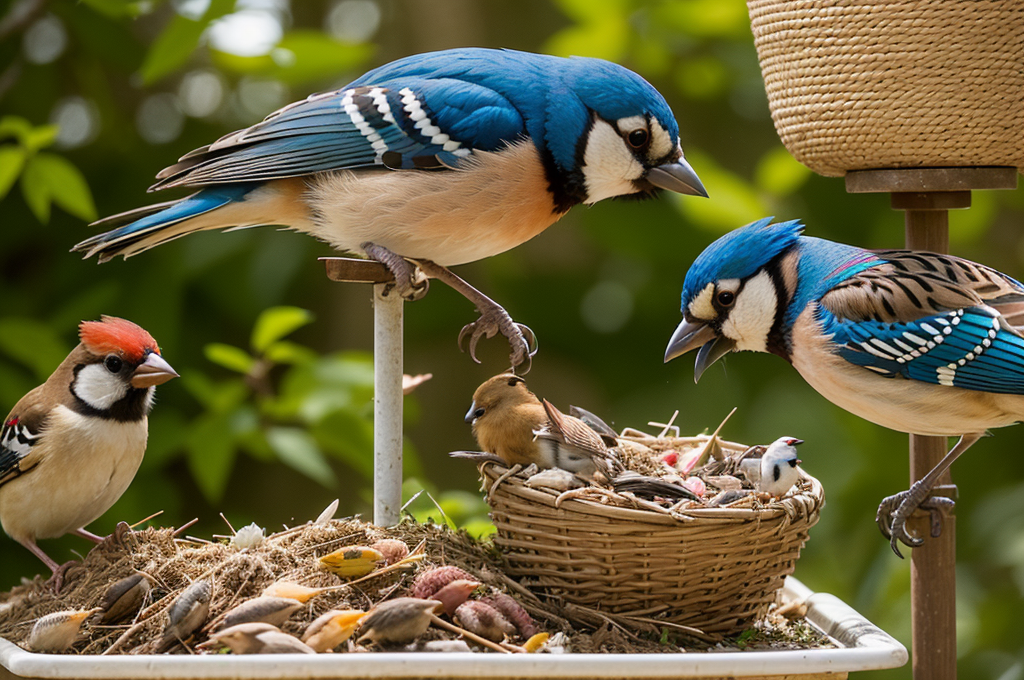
[856, 85]
[714, 569]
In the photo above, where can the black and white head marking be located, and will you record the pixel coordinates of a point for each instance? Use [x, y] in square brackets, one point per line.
[618, 154]
[103, 389]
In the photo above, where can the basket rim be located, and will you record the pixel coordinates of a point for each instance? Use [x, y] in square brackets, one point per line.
[793, 505]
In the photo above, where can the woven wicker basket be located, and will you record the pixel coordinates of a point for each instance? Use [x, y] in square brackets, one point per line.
[907, 83]
[714, 569]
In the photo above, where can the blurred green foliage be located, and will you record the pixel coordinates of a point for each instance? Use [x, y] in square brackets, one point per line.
[271, 419]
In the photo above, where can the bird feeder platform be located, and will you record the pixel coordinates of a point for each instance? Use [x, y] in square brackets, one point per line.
[860, 644]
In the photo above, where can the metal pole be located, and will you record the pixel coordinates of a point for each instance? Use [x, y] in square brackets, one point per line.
[387, 405]
[933, 565]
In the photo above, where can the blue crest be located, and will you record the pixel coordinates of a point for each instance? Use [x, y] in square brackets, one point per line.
[740, 253]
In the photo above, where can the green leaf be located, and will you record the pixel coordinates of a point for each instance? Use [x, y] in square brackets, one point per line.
[275, 323]
[215, 396]
[15, 126]
[779, 173]
[40, 137]
[284, 352]
[32, 343]
[298, 450]
[12, 160]
[178, 41]
[347, 436]
[607, 38]
[211, 454]
[35, 188]
[64, 184]
[230, 357]
[301, 56]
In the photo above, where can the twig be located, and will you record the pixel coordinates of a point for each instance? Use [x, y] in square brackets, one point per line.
[143, 521]
[233, 532]
[451, 627]
[183, 527]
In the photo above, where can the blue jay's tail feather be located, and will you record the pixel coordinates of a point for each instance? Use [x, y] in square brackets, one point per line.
[156, 224]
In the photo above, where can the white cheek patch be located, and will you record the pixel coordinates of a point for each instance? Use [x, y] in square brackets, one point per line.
[661, 143]
[700, 307]
[609, 166]
[98, 387]
[751, 318]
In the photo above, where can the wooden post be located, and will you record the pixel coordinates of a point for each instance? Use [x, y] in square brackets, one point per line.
[927, 195]
[387, 382]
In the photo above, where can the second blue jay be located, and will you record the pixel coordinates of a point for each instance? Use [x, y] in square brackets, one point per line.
[914, 341]
[440, 158]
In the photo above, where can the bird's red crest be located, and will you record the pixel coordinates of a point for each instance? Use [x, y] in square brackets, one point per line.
[112, 335]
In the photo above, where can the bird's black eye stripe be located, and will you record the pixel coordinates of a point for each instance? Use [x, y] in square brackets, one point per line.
[113, 363]
[792, 463]
[477, 413]
[638, 138]
[726, 298]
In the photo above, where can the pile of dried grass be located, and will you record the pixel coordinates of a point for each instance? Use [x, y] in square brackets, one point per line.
[238, 575]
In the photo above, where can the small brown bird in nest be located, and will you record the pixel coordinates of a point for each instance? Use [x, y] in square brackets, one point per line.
[513, 426]
[398, 621]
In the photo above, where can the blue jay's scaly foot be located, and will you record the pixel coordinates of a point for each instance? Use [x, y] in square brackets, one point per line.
[894, 511]
[493, 319]
[409, 281]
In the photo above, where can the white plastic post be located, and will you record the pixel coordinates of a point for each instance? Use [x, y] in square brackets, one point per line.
[387, 406]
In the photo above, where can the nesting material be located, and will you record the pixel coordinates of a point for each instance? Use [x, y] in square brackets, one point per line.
[291, 557]
[893, 83]
[655, 561]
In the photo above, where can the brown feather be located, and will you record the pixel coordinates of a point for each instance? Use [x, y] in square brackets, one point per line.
[913, 284]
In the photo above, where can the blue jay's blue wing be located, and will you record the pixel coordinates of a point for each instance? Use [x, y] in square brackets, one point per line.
[400, 124]
[970, 348]
[928, 317]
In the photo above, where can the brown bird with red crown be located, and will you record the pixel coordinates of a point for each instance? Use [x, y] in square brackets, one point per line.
[71, 446]
[511, 424]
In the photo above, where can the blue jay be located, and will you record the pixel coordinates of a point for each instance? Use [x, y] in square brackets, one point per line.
[914, 341]
[439, 158]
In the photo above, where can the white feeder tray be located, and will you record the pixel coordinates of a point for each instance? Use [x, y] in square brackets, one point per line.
[862, 646]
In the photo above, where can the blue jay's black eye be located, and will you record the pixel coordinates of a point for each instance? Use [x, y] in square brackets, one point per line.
[726, 298]
[113, 363]
[477, 413]
[637, 138]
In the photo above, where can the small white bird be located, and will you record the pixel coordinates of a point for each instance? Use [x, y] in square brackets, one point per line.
[71, 446]
[778, 467]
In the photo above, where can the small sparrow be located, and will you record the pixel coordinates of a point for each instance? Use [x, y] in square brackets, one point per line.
[332, 628]
[71, 446]
[56, 632]
[513, 425]
[259, 638]
[778, 467]
[398, 621]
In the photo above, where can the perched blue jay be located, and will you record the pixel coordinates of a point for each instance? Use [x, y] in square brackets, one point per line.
[914, 341]
[440, 158]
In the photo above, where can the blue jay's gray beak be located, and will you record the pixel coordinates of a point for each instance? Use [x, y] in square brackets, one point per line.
[677, 176]
[690, 335]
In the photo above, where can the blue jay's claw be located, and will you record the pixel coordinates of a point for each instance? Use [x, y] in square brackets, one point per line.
[493, 319]
[410, 283]
[894, 511]
[520, 337]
